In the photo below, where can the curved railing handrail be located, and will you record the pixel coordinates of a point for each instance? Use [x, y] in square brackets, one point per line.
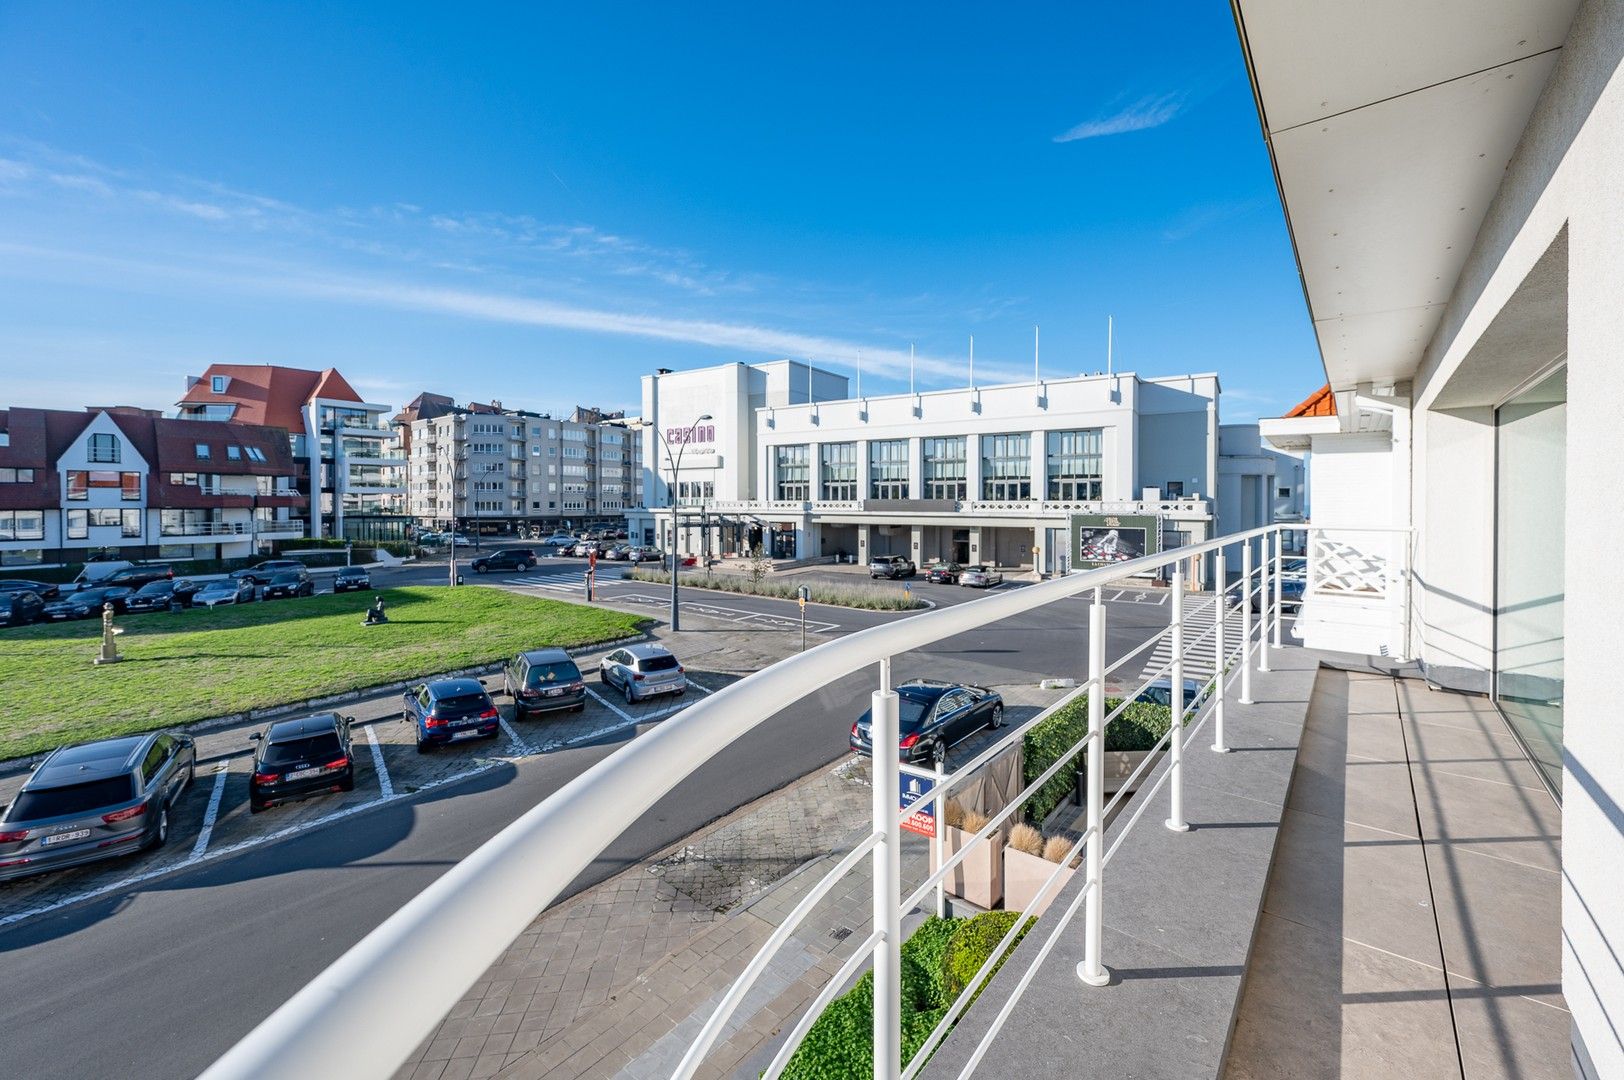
[350, 1019]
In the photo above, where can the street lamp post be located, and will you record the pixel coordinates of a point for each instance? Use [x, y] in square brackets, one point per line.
[671, 498]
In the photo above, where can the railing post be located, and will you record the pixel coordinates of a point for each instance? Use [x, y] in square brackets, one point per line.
[939, 811]
[887, 866]
[1091, 971]
[1221, 652]
[1263, 604]
[1175, 820]
[1246, 622]
[1279, 570]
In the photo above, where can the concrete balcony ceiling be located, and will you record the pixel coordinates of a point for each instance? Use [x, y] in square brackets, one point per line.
[1390, 125]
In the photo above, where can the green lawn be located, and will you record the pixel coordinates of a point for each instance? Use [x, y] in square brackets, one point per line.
[199, 664]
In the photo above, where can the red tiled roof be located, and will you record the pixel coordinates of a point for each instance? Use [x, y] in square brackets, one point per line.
[1320, 403]
[268, 393]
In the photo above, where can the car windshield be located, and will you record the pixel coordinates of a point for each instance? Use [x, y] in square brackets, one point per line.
[546, 673]
[72, 799]
[352, 571]
[460, 705]
[220, 586]
[155, 588]
[291, 578]
[656, 663]
[314, 748]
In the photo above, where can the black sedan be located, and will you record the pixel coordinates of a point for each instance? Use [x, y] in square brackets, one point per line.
[42, 589]
[932, 714]
[352, 577]
[296, 758]
[88, 603]
[162, 595]
[944, 573]
[19, 607]
[292, 583]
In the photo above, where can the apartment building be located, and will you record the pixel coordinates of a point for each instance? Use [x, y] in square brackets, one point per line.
[496, 470]
[789, 464]
[131, 484]
[349, 464]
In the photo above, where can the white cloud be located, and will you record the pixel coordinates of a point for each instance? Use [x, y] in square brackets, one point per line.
[1146, 113]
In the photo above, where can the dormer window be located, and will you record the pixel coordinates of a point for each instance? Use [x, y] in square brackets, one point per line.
[202, 451]
[104, 449]
[217, 383]
[234, 453]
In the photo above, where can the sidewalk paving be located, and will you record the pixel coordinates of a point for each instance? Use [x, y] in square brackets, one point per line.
[618, 980]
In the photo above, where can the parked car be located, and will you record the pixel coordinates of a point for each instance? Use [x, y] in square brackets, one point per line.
[891, 566]
[980, 577]
[162, 595]
[88, 603]
[95, 801]
[585, 548]
[932, 714]
[96, 572]
[289, 583]
[140, 575]
[224, 591]
[297, 758]
[42, 589]
[1291, 594]
[19, 607]
[260, 573]
[944, 573]
[449, 710]
[505, 559]
[1160, 692]
[456, 539]
[352, 577]
[618, 553]
[644, 554]
[643, 671]
[543, 680]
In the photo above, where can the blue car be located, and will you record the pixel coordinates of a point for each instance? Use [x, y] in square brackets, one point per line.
[450, 710]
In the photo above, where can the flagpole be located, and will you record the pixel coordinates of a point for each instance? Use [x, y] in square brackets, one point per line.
[1037, 378]
[972, 361]
[910, 368]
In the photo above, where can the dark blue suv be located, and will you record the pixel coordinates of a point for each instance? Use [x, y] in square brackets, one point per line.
[450, 710]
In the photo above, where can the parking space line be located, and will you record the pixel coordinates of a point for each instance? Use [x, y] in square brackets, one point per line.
[696, 686]
[519, 743]
[611, 706]
[213, 812]
[385, 785]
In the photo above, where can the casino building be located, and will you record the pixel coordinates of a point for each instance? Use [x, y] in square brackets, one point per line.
[780, 457]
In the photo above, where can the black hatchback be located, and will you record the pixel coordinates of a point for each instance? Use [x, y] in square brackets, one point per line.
[543, 680]
[289, 583]
[19, 607]
[298, 758]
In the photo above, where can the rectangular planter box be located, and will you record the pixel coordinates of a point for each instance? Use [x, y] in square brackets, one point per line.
[1024, 875]
[980, 877]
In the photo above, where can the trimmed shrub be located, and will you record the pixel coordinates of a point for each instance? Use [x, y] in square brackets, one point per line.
[1139, 727]
[973, 941]
[1026, 839]
[872, 597]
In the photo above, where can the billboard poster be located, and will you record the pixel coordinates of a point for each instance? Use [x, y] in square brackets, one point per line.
[1105, 539]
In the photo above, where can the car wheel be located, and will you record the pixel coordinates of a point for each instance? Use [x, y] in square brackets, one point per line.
[997, 717]
[161, 837]
[256, 808]
[478, 569]
[423, 747]
[631, 696]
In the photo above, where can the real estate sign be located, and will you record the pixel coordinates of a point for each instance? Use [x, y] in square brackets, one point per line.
[1104, 539]
[915, 793]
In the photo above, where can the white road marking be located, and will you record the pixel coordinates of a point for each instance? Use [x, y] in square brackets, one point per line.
[696, 686]
[211, 814]
[385, 785]
[611, 706]
[514, 735]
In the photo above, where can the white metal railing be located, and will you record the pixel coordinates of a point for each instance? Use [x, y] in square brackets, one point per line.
[364, 1015]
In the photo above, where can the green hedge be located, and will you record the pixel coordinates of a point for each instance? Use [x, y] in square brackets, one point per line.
[1140, 727]
[872, 597]
[840, 1043]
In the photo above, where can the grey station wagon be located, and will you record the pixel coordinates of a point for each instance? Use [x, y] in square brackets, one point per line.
[95, 801]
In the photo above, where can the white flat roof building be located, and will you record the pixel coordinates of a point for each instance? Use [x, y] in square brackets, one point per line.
[790, 464]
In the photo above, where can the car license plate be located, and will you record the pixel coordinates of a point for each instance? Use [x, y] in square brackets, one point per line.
[464, 735]
[302, 774]
[555, 691]
[64, 837]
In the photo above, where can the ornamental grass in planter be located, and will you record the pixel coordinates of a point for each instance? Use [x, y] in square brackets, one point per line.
[1029, 859]
[980, 877]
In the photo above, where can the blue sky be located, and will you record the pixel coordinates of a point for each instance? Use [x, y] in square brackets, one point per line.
[540, 204]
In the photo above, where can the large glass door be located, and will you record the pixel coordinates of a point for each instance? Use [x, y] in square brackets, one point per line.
[1531, 481]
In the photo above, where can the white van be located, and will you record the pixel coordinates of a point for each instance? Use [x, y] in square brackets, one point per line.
[97, 572]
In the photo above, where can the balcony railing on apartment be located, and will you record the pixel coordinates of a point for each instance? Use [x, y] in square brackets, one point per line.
[365, 1014]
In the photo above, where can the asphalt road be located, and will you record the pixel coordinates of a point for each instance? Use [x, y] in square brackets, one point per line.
[158, 981]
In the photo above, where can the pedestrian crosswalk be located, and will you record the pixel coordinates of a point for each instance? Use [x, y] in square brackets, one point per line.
[1200, 642]
[553, 584]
